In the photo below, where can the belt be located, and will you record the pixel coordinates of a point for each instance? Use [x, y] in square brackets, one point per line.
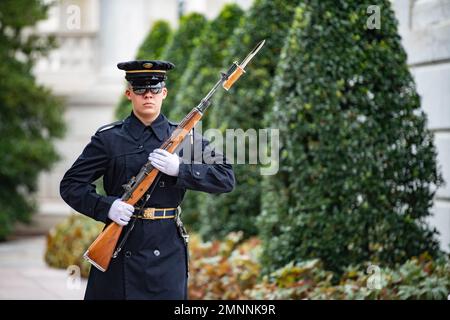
[157, 213]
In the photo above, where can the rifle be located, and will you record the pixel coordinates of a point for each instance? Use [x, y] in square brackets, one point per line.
[101, 251]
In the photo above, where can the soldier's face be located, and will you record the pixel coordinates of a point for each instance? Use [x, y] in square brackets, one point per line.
[147, 105]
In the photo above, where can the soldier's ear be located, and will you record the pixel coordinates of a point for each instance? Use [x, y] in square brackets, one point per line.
[128, 94]
[164, 92]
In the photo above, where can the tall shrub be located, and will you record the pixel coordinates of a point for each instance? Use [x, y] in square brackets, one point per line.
[243, 107]
[178, 51]
[203, 70]
[358, 165]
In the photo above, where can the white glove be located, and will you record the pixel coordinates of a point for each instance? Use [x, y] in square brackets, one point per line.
[165, 162]
[120, 212]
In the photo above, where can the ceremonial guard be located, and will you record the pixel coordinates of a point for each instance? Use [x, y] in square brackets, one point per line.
[153, 263]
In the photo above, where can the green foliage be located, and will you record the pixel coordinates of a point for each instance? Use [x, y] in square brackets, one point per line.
[203, 71]
[69, 240]
[151, 49]
[30, 115]
[223, 269]
[244, 107]
[358, 166]
[230, 269]
[193, 203]
[178, 51]
[205, 62]
[417, 278]
[153, 46]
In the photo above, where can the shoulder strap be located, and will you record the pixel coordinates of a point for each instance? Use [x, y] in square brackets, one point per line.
[173, 123]
[109, 126]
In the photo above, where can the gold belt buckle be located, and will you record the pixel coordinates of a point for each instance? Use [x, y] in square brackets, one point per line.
[149, 213]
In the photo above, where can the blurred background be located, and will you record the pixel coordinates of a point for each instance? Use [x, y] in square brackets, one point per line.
[59, 69]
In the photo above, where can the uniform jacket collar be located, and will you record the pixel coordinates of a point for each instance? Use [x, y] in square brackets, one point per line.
[158, 127]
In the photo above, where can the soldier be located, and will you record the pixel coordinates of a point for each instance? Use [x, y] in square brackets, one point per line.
[153, 263]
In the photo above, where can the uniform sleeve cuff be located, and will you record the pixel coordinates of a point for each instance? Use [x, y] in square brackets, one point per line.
[103, 206]
[183, 174]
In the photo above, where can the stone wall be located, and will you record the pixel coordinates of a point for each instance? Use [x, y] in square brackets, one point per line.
[425, 31]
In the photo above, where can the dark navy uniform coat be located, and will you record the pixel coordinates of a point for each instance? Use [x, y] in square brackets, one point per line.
[153, 261]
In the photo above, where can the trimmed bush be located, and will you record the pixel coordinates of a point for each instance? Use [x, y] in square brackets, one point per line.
[151, 49]
[178, 50]
[153, 46]
[244, 107]
[67, 242]
[205, 62]
[357, 165]
[202, 73]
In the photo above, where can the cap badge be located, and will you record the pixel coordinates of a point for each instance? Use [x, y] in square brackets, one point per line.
[147, 65]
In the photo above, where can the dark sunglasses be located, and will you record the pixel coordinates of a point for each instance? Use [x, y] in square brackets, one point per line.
[142, 91]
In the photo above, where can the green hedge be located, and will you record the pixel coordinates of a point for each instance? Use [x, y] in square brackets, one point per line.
[358, 165]
[203, 71]
[244, 107]
[205, 62]
[178, 50]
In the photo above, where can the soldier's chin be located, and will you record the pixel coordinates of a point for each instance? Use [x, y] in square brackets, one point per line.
[149, 108]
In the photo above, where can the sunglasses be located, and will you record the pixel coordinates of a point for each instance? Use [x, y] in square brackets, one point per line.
[142, 91]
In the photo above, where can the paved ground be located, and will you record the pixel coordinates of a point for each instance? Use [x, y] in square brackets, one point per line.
[24, 274]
